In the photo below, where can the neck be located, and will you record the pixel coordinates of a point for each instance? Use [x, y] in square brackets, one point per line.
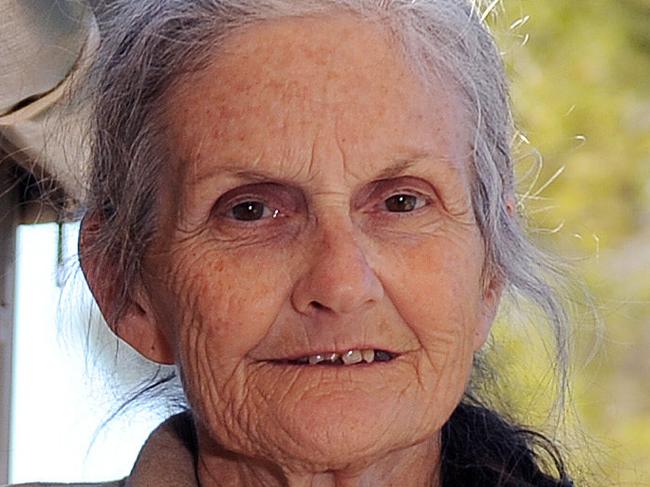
[417, 466]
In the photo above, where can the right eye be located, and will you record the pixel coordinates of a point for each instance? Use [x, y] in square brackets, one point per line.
[258, 213]
[256, 204]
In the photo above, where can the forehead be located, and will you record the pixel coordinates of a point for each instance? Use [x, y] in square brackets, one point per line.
[295, 94]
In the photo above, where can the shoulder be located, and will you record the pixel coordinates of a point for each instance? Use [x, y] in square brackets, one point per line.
[115, 483]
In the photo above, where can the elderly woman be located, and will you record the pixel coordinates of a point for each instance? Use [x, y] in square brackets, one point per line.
[308, 208]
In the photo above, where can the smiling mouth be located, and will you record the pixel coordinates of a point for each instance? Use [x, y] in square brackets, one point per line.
[350, 357]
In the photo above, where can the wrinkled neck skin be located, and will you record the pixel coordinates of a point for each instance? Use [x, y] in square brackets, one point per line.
[416, 466]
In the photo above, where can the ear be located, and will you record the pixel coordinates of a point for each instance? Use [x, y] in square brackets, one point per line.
[488, 310]
[511, 205]
[134, 320]
[492, 291]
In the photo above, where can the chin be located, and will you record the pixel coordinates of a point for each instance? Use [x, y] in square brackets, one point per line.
[347, 432]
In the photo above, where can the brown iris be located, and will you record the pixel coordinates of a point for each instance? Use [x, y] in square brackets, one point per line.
[401, 203]
[248, 211]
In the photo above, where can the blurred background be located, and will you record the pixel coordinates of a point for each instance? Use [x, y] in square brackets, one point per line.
[581, 92]
[580, 73]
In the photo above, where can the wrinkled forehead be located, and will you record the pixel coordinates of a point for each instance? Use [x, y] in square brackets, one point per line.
[296, 93]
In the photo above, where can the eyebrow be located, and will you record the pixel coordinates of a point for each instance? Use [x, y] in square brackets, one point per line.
[401, 165]
[398, 167]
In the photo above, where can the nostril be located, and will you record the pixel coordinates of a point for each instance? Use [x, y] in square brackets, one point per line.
[318, 306]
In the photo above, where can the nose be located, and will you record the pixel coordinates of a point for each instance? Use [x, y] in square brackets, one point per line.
[338, 278]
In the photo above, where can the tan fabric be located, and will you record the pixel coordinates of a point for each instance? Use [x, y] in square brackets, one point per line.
[165, 460]
[48, 131]
[40, 43]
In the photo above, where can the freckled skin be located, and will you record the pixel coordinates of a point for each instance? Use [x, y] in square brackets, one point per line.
[321, 106]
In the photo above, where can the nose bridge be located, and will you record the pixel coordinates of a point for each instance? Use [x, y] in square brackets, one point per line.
[339, 245]
[338, 277]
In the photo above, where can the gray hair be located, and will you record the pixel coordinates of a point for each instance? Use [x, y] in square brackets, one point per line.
[148, 45]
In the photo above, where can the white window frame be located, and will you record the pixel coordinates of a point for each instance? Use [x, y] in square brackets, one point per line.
[8, 224]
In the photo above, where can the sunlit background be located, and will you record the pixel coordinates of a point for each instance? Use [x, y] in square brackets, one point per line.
[581, 92]
[60, 398]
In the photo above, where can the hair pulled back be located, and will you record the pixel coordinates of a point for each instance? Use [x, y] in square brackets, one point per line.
[149, 45]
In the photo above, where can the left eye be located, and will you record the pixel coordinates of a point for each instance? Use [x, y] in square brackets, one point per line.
[404, 203]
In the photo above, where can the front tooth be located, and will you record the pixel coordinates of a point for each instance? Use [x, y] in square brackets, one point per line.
[315, 359]
[332, 357]
[368, 355]
[352, 357]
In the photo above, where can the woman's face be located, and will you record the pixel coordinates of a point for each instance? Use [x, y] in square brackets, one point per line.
[320, 204]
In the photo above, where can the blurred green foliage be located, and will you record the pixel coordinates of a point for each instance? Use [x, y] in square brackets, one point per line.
[581, 94]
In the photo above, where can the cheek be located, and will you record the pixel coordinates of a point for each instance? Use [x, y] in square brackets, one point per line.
[224, 302]
[435, 287]
[219, 307]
